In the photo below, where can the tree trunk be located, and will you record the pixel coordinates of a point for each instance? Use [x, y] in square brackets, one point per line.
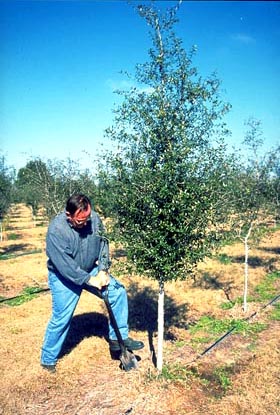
[246, 270]
[160, 326]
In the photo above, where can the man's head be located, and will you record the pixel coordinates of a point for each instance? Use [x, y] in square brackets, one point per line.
[78, 210]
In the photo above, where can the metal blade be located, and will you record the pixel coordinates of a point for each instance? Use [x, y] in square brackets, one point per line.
[128, 360]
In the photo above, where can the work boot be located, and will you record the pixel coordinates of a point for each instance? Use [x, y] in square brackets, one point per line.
[129, 343]
[49, 368]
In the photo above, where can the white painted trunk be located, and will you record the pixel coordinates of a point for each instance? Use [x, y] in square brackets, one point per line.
[245, 292]
[160, 328]
[246, 270]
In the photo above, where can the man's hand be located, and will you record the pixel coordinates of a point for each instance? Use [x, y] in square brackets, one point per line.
[101, 280]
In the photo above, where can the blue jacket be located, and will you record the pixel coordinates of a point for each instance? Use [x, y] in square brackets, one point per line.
[73, 253]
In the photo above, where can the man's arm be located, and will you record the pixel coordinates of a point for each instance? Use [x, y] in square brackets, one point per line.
[60, 256]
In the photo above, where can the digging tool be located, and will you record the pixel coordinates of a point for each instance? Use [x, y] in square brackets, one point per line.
[127, 358]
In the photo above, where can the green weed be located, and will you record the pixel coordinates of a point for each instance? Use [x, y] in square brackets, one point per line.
[208, 324]
[266, 289]
[224, 259]
[180, 343]
[176, 373]
[195, 341]
[275, 315]
[228, 305]
[263, 292]
[13, 236]
[211, 325]
[221, 375]
[27, 294]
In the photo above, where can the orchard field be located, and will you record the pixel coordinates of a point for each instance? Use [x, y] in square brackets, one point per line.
[240, 375]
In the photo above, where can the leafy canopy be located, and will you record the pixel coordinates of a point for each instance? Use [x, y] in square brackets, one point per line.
[168, 178]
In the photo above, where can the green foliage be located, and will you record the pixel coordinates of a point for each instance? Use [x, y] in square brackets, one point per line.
[27, 294]
[224, 259]
[253, 193]
[168, 181]
[13, 236]
[30, 183]
[50, 183]
[174, 373]
[213, 326]
[263, 292]
[275, 315]
[222, 376]
[6, 187]
[266, 290]
[197, 341]
[228, 305]
[239, 300]
[179, 374]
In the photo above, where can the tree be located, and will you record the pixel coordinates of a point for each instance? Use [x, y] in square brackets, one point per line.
[6, 189]
[6, 184]
[274, 182]
[253, 194]
[30, 184]
[49, 184]
[169, 178]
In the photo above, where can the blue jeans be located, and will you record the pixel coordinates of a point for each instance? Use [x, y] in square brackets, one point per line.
[65, 297]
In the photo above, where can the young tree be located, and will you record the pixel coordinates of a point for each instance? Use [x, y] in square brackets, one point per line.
[49, 184]
[29, 184]
[169, 178]
[6, 190]
[253, 194]
[6, 186]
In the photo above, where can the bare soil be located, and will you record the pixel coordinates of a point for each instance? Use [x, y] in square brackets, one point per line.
[238, 376]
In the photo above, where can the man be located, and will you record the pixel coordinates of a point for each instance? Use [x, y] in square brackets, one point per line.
[78, 255]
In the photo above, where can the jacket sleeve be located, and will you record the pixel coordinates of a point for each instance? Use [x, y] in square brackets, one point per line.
[60, 257]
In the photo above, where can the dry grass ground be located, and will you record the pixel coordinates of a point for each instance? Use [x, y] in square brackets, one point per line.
[239, 376]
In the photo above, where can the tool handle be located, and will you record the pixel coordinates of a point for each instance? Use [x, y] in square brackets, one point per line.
[93, 290]
[104, 296]
[113, 321]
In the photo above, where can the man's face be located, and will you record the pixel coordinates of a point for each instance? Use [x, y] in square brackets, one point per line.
[79, 223]
[80, 218]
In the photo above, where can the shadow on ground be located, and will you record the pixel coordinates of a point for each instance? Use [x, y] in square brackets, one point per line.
[272, 250]
[143, 317]
[211, 282]
[14, 249]
[143, 311]
[84, 326]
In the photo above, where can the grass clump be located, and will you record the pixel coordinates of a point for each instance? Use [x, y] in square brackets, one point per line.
[263, 292]
[224, 259]
[212, 326]
[13, 236]
[174, 373]
[266, 290]
[27, 294]
[275, 315]
[222, 377]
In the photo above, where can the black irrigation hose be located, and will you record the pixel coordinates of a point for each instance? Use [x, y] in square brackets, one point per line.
[4, 257]
[2, 300]
[233, 328]
[206, 350]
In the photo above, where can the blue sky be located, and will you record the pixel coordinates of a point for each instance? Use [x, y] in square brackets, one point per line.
[61, 62]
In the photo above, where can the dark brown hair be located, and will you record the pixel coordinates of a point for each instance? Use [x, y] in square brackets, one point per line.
[77, 201]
